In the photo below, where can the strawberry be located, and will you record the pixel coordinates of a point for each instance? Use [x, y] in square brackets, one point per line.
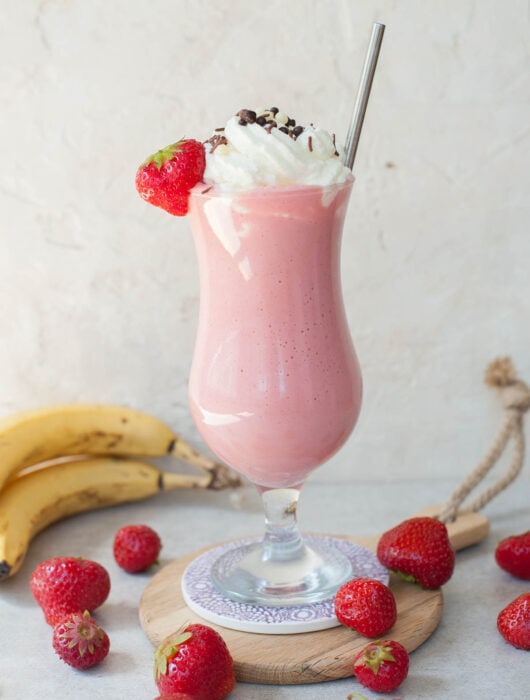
[366, 605]
[175, 696]
[514, 622]
[79, 640]
[136, 547]
[166, 178]
[418, 550]
[195, 661]
[63, 585]
[513, 555]
[382, 666]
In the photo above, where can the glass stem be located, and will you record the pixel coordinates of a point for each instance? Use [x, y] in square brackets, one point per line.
[282, 540]
[281, 569]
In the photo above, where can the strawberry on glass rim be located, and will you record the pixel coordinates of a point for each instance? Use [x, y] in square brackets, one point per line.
[166, 177]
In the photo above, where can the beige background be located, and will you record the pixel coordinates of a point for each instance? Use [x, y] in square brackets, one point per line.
[98, 292]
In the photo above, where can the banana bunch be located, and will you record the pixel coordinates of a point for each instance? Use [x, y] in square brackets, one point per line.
[62, 460]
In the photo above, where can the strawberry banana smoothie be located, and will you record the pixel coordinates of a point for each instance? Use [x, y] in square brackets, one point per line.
[275, 385]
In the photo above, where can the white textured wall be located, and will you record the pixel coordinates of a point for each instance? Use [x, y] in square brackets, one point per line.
[98, 291]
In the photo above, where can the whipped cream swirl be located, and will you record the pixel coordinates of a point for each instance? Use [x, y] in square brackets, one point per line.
[265, 148]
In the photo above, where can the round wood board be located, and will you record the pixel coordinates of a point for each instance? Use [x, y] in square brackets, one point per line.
[311, 657]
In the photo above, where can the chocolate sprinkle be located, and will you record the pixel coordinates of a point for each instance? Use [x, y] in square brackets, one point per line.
[216, 140]
[266, 120]
[246, 116]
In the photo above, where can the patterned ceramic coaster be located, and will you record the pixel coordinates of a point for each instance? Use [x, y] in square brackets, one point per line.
[203, 598]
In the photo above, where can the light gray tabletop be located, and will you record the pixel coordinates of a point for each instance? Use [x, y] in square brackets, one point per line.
[465, 657]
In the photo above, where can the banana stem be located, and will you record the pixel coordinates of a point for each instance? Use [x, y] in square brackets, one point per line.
[219, 475]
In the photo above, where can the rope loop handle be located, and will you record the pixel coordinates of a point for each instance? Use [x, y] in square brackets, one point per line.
[515, 398]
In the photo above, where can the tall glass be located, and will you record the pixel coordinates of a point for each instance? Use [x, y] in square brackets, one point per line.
[275, 386]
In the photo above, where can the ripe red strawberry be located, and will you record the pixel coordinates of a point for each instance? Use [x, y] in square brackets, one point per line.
[175, 696]
[418, 550]
[513, 555]
[136, 547]
[366, 605]
[64, 585]
[79, 640]
[195, 661]
[166, 178]
[514, 622]
[382, 666]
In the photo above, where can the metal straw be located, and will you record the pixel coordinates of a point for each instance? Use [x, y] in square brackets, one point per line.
[363, 93]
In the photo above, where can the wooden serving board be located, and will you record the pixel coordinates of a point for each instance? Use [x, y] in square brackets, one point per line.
[311, 657]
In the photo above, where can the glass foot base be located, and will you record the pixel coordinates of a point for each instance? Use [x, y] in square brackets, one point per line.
[205, 599]
[313, 574]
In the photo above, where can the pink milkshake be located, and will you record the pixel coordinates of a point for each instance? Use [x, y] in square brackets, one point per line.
[275, 385]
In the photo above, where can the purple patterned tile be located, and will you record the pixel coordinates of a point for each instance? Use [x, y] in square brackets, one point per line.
[203, 598]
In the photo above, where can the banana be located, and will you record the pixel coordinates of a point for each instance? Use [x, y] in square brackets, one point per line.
[31, 502]
[40, 435]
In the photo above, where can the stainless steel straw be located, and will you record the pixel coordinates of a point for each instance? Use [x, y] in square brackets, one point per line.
[363, 93]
